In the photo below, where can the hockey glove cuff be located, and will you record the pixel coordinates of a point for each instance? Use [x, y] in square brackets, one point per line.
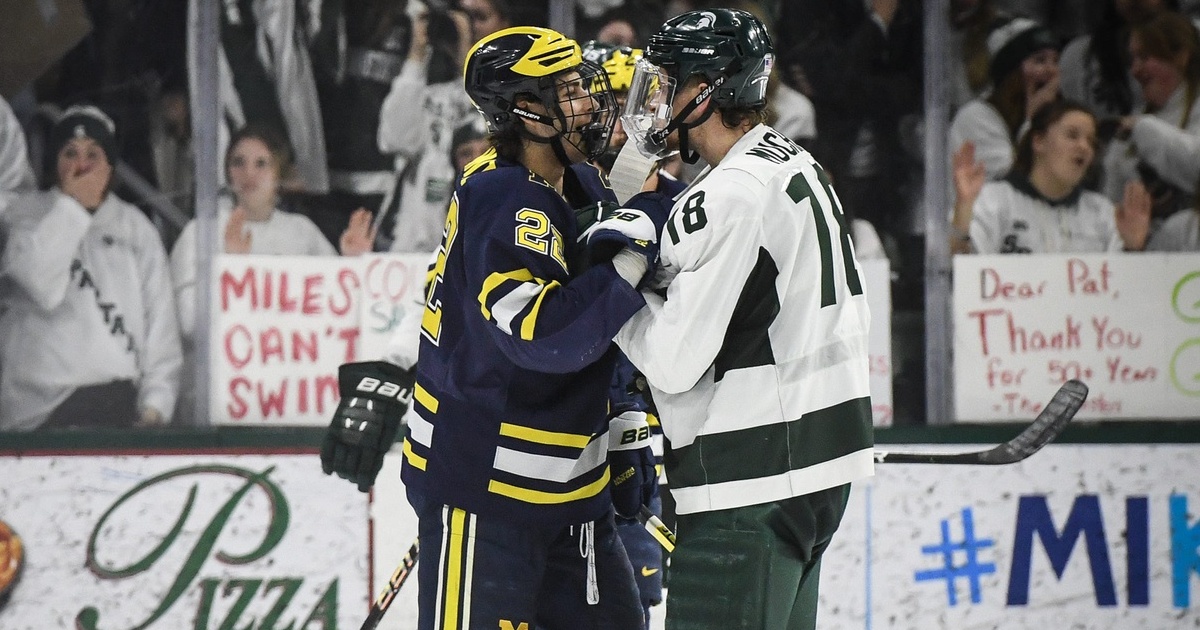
[631, 463]
[375, 396]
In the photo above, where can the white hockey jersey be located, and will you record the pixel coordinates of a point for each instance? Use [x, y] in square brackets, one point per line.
[758, 355]
[86, 300]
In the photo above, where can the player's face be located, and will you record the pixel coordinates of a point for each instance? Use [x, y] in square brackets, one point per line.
[1065, 152]
[253, 173]
[79, 156]
[578, 108]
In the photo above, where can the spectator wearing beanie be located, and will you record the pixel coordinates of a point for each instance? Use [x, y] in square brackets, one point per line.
[1024, 71]
[88, 335]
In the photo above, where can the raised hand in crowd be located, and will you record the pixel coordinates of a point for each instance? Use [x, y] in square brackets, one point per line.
[84, 173]
[969, 178]
[237, 237]
[358, 235]
[1044, 89]
[1133, 216]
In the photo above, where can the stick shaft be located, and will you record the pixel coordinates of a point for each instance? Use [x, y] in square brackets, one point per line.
[381, 603]
[658, 529]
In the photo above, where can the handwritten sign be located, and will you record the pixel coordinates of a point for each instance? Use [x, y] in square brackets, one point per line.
[877, 276]
[281, 327]
[393, 289]
[1128, 325]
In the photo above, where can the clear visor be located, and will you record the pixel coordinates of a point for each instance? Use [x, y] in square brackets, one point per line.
[648, 109]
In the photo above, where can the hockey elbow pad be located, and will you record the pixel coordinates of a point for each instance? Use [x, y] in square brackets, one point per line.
[375, 396]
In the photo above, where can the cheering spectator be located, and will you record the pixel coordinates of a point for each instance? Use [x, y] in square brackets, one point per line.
[89, 328]
[251, 221]
[1024, 71]
[1095, 67]
[1161, 146]
[1041, 206]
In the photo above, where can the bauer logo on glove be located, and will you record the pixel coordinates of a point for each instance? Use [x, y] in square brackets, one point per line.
[402, 393]
[375, 396]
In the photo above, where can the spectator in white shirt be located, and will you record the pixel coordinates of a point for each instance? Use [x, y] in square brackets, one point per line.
[89, 335]
[1041, 206]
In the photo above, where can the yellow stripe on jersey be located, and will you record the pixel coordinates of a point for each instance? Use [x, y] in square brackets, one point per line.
[425, 398]
[497, 279]
[456, 543]
[481, 164]
[531, 319]
[416, 461]
[542, 498]
[538, 436]
[523, 288]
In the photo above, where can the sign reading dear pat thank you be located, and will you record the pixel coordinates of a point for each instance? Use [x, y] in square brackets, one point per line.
[1126, 324]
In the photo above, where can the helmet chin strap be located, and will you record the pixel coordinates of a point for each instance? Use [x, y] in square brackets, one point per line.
[556, 141]
[678, 122]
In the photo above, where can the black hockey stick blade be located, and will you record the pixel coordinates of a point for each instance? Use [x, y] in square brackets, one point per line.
[381, 603]
[657, 529]
[1049, 423]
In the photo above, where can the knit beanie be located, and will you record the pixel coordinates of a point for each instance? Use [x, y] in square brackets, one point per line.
[1010, 43]
[84, 121]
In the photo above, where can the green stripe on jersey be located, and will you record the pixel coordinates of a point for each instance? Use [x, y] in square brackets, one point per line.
[773, 449]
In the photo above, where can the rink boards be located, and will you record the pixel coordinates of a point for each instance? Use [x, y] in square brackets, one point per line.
[1079, 536]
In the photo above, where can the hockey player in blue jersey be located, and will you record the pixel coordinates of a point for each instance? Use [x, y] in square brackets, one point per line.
[510, 443]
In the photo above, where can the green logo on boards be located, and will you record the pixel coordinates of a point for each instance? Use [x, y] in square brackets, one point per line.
[232, 595]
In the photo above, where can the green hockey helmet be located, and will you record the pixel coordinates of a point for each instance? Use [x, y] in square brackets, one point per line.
[714, 43]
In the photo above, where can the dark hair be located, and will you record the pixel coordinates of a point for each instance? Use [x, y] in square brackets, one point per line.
[1039, 123]
[280, 150]
[1109, 46]
[508, 143]
[1008, 97]
[1166, 35]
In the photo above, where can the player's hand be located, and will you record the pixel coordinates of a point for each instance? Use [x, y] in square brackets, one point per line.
[631, 462]
[375, 396]
[635, 226]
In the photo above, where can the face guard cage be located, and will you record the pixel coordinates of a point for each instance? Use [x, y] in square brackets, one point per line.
[648, 109]
[583, 108]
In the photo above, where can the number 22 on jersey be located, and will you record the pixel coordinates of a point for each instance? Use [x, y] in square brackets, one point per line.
[431, 321]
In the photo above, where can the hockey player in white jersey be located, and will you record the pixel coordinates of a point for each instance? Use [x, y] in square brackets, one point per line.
[757, 356]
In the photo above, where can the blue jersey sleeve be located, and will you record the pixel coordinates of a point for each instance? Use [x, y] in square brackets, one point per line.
[543, 317]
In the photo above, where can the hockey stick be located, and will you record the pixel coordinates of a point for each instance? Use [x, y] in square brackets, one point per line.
[381, 603]
[658, 529]
[1049, 423]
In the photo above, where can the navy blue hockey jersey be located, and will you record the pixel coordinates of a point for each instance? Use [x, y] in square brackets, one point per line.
[510, 406]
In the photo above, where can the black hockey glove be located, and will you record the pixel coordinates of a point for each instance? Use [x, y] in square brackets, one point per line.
[630, 463]
[637, 226]
[375, 396]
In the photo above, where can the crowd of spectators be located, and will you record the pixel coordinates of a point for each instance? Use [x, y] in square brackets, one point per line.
[343, 126]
